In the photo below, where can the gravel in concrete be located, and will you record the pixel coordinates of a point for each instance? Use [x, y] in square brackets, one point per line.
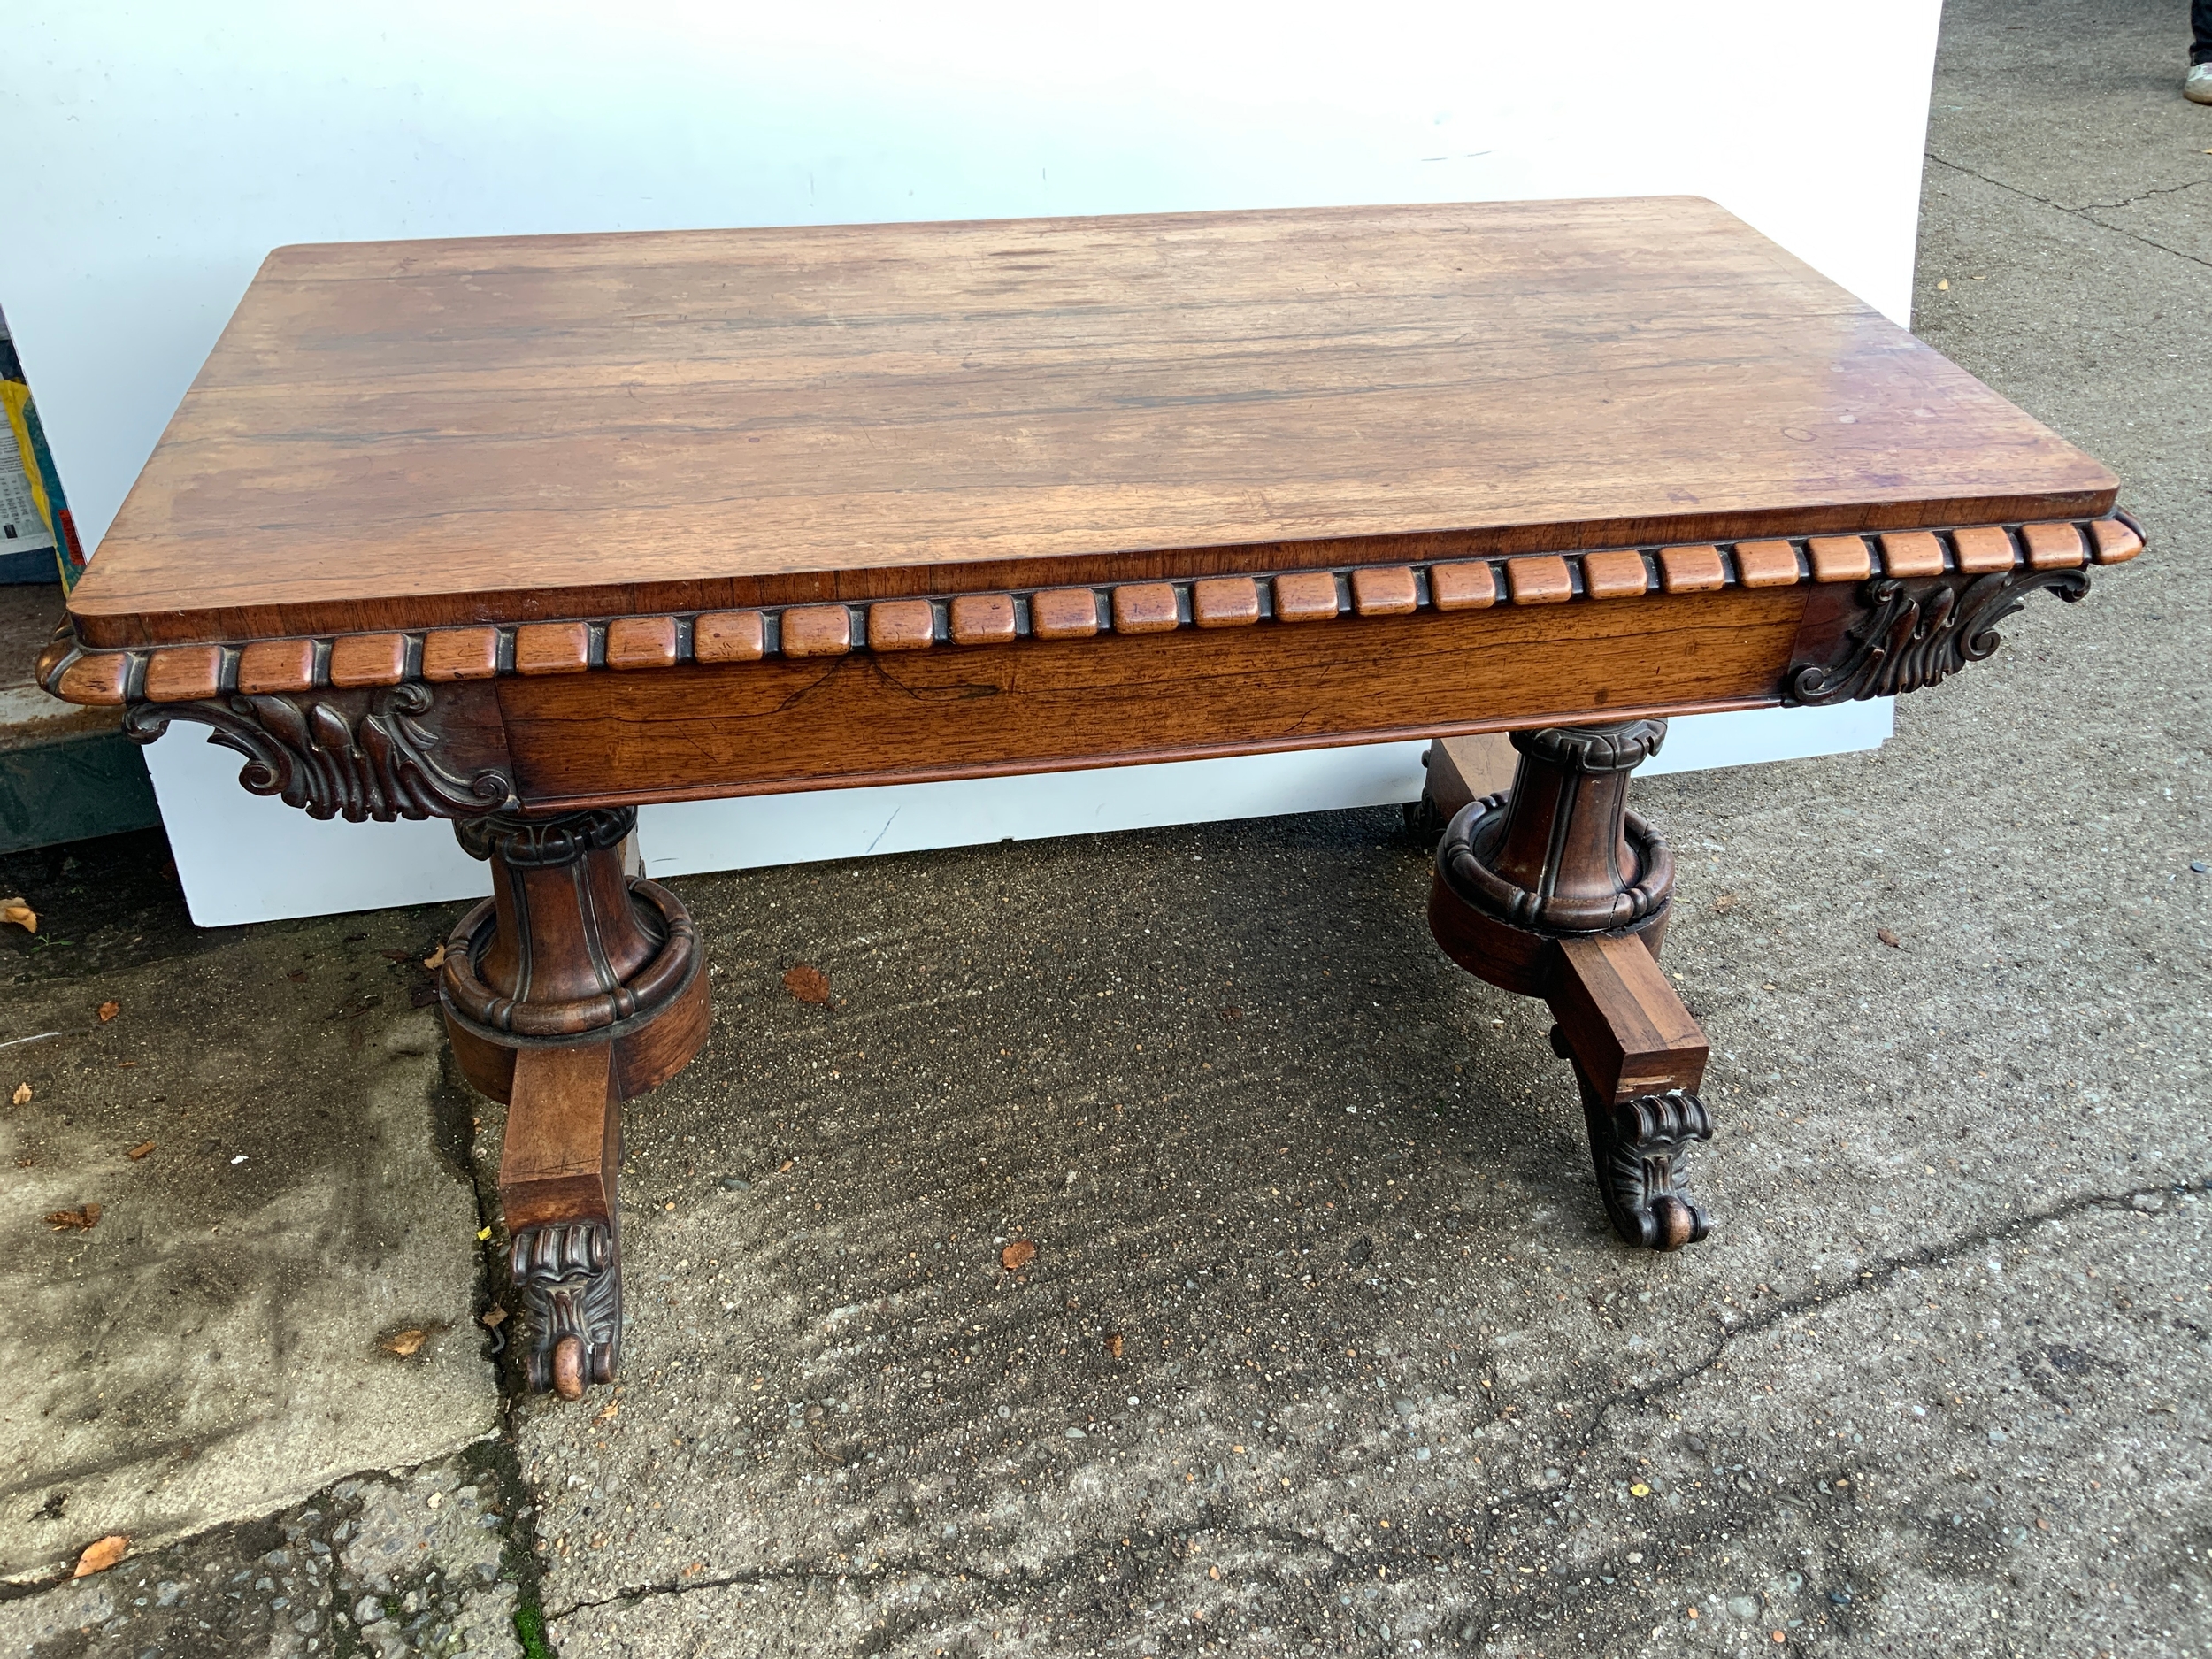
[418, 1561]
[257, 1123]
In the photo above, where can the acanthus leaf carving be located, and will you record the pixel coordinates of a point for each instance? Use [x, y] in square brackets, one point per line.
[569, 1276]
[361, 757]
[1915, 633]
[1641, 1147]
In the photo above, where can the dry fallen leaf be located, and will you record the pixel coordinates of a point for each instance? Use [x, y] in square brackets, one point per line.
[22, 1095]
[81, 1220]
[435, 960]
[99, 1556]
[1017, 1256]
[109, 1010]
[1113, 1345]
[19, 914]
[608, 1415]
[139, 1151]
[1724, 904]
[808, 985]
[405, 1343]
[493, 1317]
[1889, 938]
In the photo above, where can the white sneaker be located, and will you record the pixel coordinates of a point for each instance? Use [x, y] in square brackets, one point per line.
[2198, 88]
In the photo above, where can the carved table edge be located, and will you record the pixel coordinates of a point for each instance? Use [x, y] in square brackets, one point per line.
[279, 666]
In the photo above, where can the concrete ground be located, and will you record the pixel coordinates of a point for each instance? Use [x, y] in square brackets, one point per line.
[1326, 1347]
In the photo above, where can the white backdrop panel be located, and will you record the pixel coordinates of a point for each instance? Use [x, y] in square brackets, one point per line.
[160, 150]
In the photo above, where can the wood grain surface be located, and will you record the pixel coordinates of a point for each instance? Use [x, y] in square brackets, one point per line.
[559, 1156]
[1625, 1022]
[830, 722]
[402, 435]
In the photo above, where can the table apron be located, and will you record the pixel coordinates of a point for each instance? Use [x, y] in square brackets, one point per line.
[793, 724]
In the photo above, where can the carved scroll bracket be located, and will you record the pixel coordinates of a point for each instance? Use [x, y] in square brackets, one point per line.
[1913, 633]
[357, 754]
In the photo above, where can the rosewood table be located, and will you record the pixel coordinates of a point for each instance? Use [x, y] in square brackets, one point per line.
[525, 531]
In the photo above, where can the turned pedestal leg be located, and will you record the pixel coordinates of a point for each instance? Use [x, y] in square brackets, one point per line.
[573, 987]
[1557, 890]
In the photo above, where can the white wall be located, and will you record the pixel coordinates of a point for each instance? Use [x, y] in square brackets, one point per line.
[159, 151]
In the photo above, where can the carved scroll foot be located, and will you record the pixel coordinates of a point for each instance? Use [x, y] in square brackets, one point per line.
[570, 1278]
[556, 1188]
[1638, 1057]
[1639, 1148]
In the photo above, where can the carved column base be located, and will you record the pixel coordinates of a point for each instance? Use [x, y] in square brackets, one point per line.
[573, 987]
[571, 949]
[1557, 890]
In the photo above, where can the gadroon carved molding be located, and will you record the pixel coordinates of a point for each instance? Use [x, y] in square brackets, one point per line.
[291, 667]
[360, 755]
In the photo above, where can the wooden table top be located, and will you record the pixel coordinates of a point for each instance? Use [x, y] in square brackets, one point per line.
[406, 435]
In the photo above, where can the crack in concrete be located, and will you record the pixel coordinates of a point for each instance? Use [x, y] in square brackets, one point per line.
[1211, 1520]
[1879, 1276]
[69, 1475]
[727, 1581]
[1481, 1531]
[2087, 208]
[2125, 201]
[522, 1562]
[1875, 1277]
[1039, 1578]
[884, 1570]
